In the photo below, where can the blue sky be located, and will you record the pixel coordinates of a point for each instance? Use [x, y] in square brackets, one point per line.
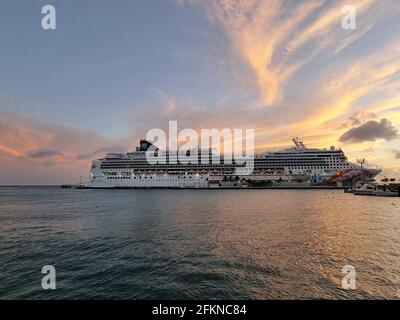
[104, 61]
[114, 69]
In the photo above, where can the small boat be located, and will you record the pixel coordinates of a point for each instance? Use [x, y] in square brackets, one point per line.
[366, 189]
[372, 189]
[386, 193]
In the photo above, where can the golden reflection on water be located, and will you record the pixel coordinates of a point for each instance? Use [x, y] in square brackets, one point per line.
[230, 244]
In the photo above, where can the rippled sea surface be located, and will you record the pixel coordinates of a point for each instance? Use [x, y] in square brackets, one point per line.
[197, 244]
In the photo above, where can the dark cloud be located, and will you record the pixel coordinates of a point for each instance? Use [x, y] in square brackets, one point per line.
[370, 131]
[43, 153]
[92, 154]
[397, 155]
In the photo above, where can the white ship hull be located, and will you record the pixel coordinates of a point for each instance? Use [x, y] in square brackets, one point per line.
[149, 181]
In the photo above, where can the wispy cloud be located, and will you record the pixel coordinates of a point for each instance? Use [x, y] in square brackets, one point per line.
[276, 38]
[101, 151]
[44, 153]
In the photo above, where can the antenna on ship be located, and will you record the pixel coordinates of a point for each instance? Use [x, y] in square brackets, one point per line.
[299, 143]
[361, 163]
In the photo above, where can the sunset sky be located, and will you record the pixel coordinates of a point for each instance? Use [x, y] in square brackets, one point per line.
[112, 70]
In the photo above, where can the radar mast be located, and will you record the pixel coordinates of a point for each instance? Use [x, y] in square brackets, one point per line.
[299, 143]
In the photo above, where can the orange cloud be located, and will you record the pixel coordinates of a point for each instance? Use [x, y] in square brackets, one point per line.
[270, 35]
[33, 151]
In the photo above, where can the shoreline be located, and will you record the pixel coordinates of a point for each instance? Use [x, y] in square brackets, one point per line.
[185, 188]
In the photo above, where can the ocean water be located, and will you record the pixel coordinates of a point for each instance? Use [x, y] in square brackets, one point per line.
[197, 244]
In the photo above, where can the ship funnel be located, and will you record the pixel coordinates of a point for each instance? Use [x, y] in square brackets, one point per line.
[145, 145]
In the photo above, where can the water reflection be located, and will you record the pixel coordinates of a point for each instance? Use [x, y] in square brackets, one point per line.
[232, 244]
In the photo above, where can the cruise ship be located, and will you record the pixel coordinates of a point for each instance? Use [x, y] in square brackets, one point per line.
[297, 164]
